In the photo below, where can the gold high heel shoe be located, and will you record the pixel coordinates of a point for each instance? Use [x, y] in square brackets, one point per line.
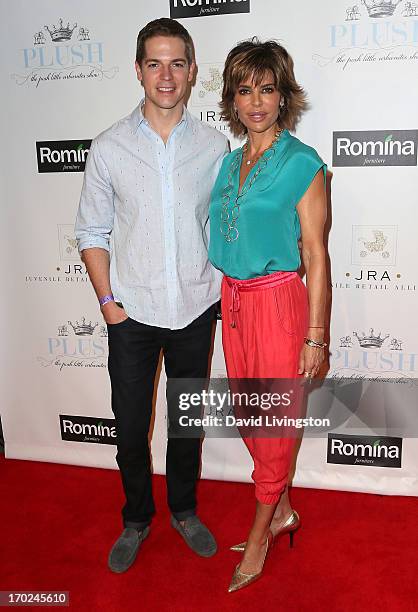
[240, 580]
[290, 525]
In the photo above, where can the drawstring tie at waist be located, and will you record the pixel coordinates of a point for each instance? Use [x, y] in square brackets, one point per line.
[254, 284]
[235, 302]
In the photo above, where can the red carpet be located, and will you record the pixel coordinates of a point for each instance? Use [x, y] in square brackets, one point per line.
[353, 552]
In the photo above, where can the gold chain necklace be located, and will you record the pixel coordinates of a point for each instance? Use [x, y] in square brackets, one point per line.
[257, 157]
[229, 217]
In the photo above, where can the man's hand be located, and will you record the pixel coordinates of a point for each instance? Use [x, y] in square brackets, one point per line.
[112, 313]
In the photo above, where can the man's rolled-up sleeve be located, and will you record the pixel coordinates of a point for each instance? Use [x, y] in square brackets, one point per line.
[94, 222]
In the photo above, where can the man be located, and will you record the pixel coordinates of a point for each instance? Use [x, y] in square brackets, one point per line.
[141, 228]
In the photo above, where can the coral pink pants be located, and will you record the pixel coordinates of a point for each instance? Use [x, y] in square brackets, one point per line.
[264, 322]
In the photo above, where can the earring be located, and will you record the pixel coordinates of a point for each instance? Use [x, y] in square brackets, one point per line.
[282, 104]
[235, 113]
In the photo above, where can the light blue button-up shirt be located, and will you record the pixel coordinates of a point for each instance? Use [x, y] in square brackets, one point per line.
[147, 203]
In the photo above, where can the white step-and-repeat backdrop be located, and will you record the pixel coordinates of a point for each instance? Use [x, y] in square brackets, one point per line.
[67, 74]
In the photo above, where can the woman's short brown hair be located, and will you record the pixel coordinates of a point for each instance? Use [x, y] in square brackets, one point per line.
[253, 59]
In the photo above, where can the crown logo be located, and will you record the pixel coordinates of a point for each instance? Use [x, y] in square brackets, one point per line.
[370, 341]
[380, 8]
[83, 328]
[61, 32]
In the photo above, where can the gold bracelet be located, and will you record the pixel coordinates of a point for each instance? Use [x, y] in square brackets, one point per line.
[314, 343]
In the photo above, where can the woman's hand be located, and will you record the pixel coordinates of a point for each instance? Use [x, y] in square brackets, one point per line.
[310, 360]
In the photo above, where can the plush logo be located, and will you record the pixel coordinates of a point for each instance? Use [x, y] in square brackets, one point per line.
[62, 51]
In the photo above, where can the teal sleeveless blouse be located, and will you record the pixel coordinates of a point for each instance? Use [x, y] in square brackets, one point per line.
[259, 233]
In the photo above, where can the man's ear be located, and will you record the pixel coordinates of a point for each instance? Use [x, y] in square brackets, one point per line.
[192, 70]
[138, 72]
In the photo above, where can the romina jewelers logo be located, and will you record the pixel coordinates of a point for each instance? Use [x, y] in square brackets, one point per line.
[201, 8]
[375, 451]
[62, 155]
[87, 429]
[375, 148]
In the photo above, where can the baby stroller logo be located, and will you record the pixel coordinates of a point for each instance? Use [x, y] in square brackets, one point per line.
[67, 243]
[374, 245]
[352, 13]
[211, 85]
[410, 10]
[206, 95]
[208, 89]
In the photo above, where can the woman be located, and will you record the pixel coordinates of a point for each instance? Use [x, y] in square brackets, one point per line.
[269, 194]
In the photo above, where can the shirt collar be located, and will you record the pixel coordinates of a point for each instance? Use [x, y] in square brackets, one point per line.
[137, 117]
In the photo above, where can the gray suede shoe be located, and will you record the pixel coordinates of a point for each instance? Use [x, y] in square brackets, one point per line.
[125, 549]
[196, 535]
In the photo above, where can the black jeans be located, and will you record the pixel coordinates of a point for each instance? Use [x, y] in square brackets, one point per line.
[134, 350]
